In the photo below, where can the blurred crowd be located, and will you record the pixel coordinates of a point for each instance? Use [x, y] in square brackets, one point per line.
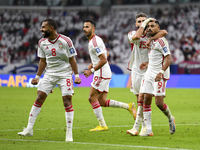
[20, 32]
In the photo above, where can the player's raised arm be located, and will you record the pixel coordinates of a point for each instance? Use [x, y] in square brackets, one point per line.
[160, 34]
[140, 31]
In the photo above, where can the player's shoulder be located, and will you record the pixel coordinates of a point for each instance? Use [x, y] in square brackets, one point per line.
[131, 32]
[66, 39]
[96, 37]
[161, 41]
[42, 39]
[96, 40]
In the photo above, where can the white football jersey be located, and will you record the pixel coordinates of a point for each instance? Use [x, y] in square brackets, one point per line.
[159, 50]
[139, 53]
[57, 54]
[96, 47]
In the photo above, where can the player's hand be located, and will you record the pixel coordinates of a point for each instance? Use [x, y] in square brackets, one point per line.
[90, 66]
[158, 77]
[77, 80]
[87, 73]
[143, 65]
[34, 81]
[147, 44]
[146, 22]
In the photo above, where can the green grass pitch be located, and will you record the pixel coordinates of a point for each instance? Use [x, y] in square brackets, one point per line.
[49, 129]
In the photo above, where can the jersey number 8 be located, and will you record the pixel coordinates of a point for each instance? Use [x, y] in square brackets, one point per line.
[53, 52]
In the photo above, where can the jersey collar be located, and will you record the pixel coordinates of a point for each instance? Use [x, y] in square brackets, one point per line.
[92, 37]
[55, 40]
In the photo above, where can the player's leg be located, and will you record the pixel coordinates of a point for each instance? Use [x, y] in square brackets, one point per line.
[137, 81]
[159, 100]
[69, 115]
[139, 118]
[116, 104]
[93, 99]
[147, 115]
[147, 87]
[66, 86]
[35, 110]
[44, 88]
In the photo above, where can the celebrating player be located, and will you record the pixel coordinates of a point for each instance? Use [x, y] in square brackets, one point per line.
[155, 78]
[102, 76]
[138, 64]
[57, 55]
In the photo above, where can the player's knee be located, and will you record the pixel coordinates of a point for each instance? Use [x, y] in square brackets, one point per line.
[41, 97]
[67, 100]
[102, 103]
[91, 99]
[159, 105]
[147, 100]
[140, 98]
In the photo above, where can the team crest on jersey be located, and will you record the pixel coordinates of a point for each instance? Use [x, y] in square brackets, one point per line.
[165, 49]
[60, 45]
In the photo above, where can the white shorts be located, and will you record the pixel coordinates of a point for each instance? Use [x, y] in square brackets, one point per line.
[147, 86]
[49, 82]
[135, 82]
[160, 87]
[100, 84]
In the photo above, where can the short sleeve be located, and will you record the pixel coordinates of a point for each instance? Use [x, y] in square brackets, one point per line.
[71, 49]
[164, 47]
[130, 35]
[40, 52]
[98, 46]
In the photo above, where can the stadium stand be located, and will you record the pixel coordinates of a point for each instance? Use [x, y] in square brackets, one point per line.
[19, 31]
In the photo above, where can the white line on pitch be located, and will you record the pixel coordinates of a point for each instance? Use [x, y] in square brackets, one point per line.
[108, 126]
[85, 143]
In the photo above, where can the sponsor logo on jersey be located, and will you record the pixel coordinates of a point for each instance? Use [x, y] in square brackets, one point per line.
[47, 47]
[165, 49]
[60, 45]
[69, 89]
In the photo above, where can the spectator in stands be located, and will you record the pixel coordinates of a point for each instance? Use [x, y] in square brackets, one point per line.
[20, 28]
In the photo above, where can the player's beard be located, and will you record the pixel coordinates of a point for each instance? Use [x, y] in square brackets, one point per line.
[89, 34]
[46, 33]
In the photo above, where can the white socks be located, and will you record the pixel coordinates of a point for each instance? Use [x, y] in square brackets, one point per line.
[139, 117]
[98, 112]
[69, 115]
[114, 103]
[147, 120]
[69, 121]
[147, 117]
[33, 116]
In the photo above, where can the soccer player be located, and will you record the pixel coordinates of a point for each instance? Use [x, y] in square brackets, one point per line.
[57, 55]
[138, 64]
[154, 80]
[102, 76]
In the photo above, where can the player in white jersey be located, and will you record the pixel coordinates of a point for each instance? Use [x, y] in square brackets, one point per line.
[102, 76]
[159, 61]
[57, 55]
[137, 64]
